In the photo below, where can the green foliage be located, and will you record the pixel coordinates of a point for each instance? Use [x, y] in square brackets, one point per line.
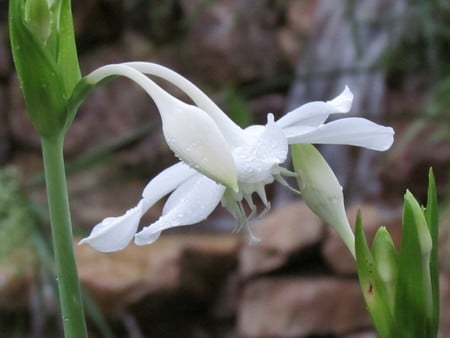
[16, 221]
[237, 108]
[44, 53]
[401, 289]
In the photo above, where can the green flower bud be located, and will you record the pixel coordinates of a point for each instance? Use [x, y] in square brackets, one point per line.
[385, 259]
[321, 190]
[39, 18]
[44, 53]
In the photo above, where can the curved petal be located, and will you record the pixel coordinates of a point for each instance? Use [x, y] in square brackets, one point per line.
[190, 132]
[165, 182]
[313, 114]
[190, 203]
[343, 102]
[232, 132]
[353, 131]
[115, 233]
[195, 138]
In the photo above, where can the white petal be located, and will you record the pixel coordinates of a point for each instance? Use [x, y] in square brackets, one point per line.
[352, 131]
[313, 114]
[343, 102]
[232, 132]
[267, 147]
[190, 132]
[115, 233]
[190, 203]
[165, 182]
[195, 138]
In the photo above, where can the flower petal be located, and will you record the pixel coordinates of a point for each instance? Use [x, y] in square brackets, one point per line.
[190, 132]
[313, 114]
[267, 147]
[343, 102]
[165, 182]
[232, 132]
[352, 131]
[115, 233]
[195, 138]
[190, 203]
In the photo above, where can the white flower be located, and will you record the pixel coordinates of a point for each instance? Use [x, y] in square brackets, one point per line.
[220, 162]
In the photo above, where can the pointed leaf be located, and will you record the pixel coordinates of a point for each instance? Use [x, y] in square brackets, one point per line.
[373, 288]
[431, 215]
[413, 297]
[385, 258]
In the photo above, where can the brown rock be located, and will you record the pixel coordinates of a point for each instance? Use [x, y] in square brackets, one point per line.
[284, 232]
[192, 265]
[336, 253]
[300, 307]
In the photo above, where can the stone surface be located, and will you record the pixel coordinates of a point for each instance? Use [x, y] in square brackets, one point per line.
[336, 253]
[301, 307]
[244, 29]
[193, 266]
[283, 232]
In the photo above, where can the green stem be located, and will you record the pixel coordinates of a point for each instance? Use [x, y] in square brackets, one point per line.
[66, 271]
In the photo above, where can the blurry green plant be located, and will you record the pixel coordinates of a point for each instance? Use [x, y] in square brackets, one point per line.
[401, 289]
[421, 52]
[16, 222]
[25, 248]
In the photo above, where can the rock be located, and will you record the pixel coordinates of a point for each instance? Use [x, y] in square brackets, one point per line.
[301, 307]
[336, 253]
[245, 30]
[284, 232]
[299, 17]
[190, 265]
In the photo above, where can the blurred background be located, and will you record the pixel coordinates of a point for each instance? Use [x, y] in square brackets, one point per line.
[252, 58]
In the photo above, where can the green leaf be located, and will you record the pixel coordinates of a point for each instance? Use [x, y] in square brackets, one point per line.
[431, 215]
[67, 58]
[385, 258]
[413, 303]
[374, 290]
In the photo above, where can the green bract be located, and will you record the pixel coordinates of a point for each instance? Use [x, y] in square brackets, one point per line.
[321, 190]
[401, 289]
[44, 53]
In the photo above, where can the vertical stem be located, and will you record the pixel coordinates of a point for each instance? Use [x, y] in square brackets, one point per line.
[66, 271]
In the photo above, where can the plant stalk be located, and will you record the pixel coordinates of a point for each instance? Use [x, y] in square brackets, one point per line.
[66, 271]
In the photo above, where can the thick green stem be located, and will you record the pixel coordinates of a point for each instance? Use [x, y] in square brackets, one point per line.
[66, 271]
